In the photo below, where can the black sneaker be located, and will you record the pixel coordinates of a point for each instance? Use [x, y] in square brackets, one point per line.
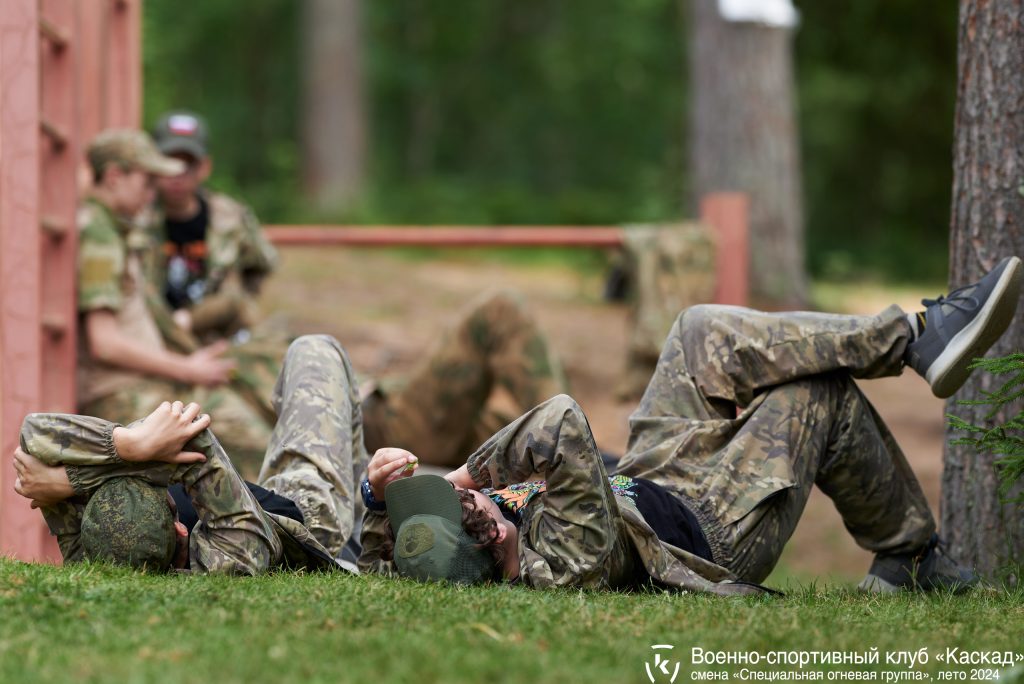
[927, 570]
[963, 325]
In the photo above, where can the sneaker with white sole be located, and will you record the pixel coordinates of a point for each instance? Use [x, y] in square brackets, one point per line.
[962, 325]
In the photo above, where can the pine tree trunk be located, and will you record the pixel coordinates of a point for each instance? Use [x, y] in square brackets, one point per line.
[744, 137]
[334, 118]
[987, 224]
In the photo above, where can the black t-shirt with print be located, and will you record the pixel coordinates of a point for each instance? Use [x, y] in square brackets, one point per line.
[185, 250]
[673, 522]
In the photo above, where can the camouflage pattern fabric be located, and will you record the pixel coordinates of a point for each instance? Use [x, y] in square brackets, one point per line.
[239, 257]
[233, 535]
[315, 457]
[578, 532]
[747, 410]
[129, 522]
[445, 408]
[110, 277]
[669, 268]
[244, 428]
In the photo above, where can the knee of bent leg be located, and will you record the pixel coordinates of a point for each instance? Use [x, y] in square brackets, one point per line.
[566, 407]
[307, 344]
[499, 306]
[695, 317]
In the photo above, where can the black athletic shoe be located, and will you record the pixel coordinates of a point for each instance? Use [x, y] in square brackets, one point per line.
[963, 325]
[927, 570]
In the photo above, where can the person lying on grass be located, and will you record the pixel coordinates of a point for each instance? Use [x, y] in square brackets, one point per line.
[745, 412]
[103, 488]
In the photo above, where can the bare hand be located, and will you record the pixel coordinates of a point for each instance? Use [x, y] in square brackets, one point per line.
[162, 435]
[206, 367]
[183, 319]
[45, 485]
[386, 466]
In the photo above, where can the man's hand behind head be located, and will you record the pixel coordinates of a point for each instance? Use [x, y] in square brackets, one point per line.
[162, 435]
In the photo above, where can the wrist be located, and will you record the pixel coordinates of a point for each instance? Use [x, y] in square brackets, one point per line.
[126, 445]
[369, 499]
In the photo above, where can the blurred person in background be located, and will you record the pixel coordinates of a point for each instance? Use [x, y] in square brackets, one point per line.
[211, 255]
[125, 366]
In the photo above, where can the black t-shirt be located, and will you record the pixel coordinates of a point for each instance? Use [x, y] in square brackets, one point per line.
[670, 519]
[667, 516]
[268, 500]
[185, 249]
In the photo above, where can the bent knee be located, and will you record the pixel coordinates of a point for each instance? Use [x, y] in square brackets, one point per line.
[564, 404]
[314, 343]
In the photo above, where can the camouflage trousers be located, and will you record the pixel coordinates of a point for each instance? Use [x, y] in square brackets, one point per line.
[316, 456]
[747, 410]
[488, 368]
[242, 408]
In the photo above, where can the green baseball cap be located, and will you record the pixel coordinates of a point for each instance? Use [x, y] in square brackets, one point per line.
[133, 148]
[129, 522]
[430, 544]
[181, 132]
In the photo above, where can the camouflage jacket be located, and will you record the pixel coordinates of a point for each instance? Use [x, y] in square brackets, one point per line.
[239, 257]
[110, 277]
[234, 534]
[577, 533]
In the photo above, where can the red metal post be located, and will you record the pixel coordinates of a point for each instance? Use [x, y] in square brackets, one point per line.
[21, 529]
[89, 66]
[123, 66]
[58, 162]
[728, 213]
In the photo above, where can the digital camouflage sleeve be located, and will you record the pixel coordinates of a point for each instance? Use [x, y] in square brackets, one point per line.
[232, 535]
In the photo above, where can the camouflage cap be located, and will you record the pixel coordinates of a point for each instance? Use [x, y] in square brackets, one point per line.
[129, 522]
[430, 543]
[181, 132]
[133, 148]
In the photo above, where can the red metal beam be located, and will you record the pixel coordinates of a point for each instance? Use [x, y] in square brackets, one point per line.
[22, 532]
[726, 212]
[447, 236]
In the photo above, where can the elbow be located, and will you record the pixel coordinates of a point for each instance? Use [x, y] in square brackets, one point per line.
[102, 349]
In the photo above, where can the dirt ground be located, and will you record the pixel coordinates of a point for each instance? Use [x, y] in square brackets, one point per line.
[386, 307]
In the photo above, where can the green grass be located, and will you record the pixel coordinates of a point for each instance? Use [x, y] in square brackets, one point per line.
[94, 623]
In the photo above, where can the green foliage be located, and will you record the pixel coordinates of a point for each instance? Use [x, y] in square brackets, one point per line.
[1005, 440]
[877, 91]
[563, 111]
[89, 623]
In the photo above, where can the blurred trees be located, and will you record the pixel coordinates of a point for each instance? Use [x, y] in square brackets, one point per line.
[987, 225]
[743, 135]
[333, 108]
[564, 111]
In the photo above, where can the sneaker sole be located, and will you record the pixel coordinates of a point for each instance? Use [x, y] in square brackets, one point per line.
[949, 372]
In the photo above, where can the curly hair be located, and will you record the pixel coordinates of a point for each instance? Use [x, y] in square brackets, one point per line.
[475, 521]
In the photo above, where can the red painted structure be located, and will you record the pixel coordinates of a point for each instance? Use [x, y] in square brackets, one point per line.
[725, 212]
[68, 68]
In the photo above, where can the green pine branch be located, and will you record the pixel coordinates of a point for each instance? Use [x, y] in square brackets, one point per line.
[1005, 440]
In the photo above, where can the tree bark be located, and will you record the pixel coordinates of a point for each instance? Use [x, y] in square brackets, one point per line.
[334, 129]
[987, 224]
[744, 137]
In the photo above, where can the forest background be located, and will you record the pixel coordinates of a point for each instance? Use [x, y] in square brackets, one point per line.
[572, 112]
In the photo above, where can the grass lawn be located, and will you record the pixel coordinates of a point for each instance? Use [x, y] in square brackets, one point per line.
[94, 623]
